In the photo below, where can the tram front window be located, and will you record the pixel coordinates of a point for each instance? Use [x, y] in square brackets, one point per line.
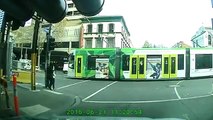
[71, 61]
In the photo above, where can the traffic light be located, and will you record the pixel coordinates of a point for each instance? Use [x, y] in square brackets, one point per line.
[52, 43]
[89, 7]
[20, 11]
[53, 11]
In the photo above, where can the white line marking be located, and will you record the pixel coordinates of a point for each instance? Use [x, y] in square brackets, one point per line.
[40, 84]
[176, 92]
[58, 93]
[72, 84]
[99, 91]
[151, 101]
[34, 110]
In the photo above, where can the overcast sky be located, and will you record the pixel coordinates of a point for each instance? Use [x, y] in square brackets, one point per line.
[161, 21]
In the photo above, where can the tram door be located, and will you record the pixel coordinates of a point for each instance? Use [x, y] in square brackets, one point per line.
[79, 66]
[169, 66]
[138, 66]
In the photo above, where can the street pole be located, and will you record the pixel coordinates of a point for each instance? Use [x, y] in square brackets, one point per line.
[48, 34]
[8, 52]
[34, 53]
[3, 47]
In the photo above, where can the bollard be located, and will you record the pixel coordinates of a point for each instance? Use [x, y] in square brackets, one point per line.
[15, 95]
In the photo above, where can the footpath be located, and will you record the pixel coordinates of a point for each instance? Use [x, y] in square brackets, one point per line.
[34, 104]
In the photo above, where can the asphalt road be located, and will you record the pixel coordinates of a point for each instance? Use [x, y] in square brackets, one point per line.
[186, 99]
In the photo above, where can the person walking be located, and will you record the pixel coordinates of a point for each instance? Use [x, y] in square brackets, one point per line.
[52, 76]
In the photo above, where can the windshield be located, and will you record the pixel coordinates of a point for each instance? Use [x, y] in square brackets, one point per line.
[128, 59]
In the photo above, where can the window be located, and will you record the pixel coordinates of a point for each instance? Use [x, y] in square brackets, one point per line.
[173, 65]
[181, 62]
[125, 62]
[75, 45]
[110, 42]
[111, 28]
[100, 28]
[203, 61]
[92, 61]
[62, 45]
[89, 28]
[79, 65]
[134, 65]
[166, 65]
[76, 13]
[99, 43]
[26, 44]
[88, 43]
[16, 45]
[71, 61]
[141, 66]
[69, 13]
[209, 40]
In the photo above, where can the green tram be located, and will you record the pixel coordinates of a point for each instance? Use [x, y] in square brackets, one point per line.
[140, 64]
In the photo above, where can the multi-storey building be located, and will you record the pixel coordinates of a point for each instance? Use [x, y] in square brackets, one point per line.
[203, 37]
[72, 13]
[105, 32]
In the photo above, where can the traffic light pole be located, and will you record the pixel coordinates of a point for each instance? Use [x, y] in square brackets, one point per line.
[3, 48]
[34, 53]
[47, 54]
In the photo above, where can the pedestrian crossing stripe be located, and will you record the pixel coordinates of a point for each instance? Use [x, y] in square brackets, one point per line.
[34, 110]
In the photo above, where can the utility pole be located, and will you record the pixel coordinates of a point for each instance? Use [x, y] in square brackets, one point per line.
[48, 35]
[8, 53]
[2, 43]
[34, 52]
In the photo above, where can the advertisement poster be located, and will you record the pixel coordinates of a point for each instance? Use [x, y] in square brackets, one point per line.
[102, 68]
[154, 68]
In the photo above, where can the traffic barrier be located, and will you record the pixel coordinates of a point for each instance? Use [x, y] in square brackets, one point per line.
[16, 105]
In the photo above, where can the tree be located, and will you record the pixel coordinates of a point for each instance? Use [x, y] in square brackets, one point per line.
[147, 45]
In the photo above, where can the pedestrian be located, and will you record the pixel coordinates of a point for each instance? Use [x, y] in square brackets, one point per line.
[49, 75]
[52, 77]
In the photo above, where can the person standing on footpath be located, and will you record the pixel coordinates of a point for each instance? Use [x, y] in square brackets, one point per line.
[52, 76]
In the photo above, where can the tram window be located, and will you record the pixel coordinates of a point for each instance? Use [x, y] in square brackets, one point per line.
[166, 65]
[91, 63]
[173, 66]
[141, 66]
[181, 62]
[125, 62]
[203, 61]
[79, 65]
[134, 65]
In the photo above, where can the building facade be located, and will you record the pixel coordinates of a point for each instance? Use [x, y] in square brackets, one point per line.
[72, 13]
[181, 44]
[203, 37]
[105, 32]
[66, 32]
